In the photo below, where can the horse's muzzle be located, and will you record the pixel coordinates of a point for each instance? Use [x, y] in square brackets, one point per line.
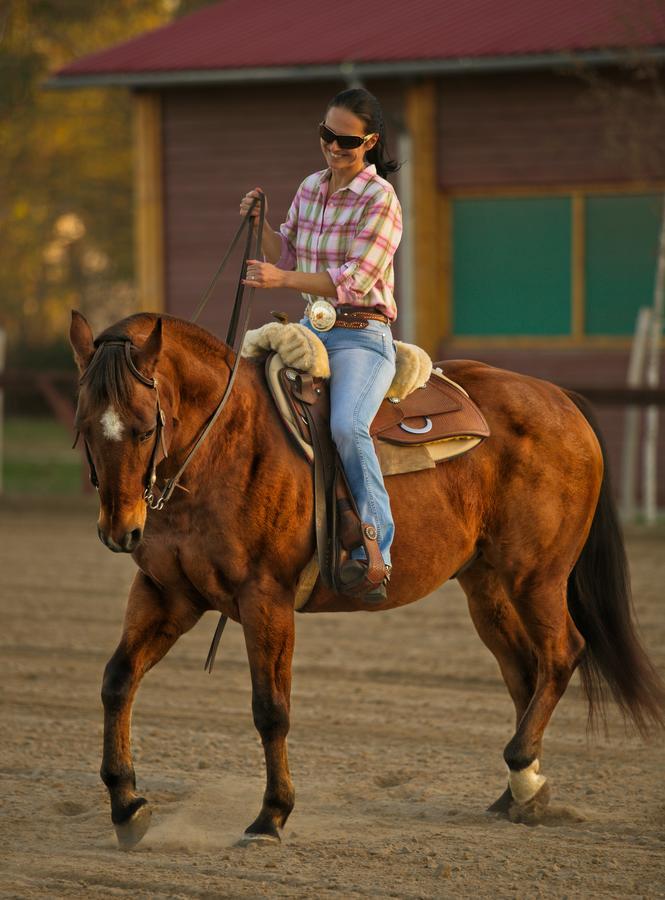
[127, 543]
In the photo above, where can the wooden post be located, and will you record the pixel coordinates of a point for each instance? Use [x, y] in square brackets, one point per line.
[633, 415]
[148, 201]
[578, 267]
[428, 314]
[444, 260]
[405, 271]
[3, 347]
[652, 379]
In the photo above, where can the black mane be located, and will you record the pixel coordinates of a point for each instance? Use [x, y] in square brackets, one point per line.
[108, 379]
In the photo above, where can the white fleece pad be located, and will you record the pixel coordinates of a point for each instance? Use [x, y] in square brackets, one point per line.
[299, 347]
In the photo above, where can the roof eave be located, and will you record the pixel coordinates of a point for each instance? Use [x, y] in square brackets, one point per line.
[348, 71]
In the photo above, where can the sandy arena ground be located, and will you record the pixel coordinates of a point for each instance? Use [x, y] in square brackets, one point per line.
[399, 720]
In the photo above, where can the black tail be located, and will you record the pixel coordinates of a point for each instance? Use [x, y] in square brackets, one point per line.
[599, 601]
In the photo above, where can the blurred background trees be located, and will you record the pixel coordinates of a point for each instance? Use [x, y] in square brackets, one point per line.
[65, 170]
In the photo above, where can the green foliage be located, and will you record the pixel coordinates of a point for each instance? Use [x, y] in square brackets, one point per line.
[56, 354]
[38, 458]
[65, 167]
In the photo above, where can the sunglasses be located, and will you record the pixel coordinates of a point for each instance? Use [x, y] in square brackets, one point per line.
[344, 141]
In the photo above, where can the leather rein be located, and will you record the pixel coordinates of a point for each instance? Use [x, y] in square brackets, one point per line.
[157, 501]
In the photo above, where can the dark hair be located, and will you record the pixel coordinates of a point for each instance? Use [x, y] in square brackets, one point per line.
[365, 105]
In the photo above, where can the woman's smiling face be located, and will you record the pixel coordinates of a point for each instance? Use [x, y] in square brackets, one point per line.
[345, 163]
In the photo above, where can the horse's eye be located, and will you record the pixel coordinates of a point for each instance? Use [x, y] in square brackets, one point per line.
[146, 436]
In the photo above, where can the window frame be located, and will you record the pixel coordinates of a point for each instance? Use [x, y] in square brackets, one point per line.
[577, 193]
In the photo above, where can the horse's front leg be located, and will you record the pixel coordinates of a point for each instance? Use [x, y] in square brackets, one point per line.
[153, 623]
[268, 623]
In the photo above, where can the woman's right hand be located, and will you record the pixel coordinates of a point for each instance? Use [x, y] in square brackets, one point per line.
[246, 202]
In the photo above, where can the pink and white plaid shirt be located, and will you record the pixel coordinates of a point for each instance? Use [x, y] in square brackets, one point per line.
[352, 234]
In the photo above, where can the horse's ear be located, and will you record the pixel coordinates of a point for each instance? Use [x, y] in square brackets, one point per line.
[148, 355]
[81, 339]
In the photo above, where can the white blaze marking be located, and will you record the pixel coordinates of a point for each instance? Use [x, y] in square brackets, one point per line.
[526, 783]
[112, 425]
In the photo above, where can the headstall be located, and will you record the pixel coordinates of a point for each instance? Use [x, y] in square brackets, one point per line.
[160, 422]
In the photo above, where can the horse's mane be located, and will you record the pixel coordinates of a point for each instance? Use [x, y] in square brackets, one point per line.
[108, 378]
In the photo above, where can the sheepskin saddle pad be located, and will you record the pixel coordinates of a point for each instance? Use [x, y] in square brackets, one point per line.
[425, 418]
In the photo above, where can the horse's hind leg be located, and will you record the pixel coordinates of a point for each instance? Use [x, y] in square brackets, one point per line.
[540, 602]
[501, 630]
[152, 625]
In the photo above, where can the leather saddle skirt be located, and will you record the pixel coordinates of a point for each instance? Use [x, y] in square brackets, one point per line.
[439, 410]
[435, 422]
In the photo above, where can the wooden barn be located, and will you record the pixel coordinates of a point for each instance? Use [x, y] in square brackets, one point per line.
[533, 141]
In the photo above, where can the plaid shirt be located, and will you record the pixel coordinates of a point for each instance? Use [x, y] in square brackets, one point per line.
[352, 235]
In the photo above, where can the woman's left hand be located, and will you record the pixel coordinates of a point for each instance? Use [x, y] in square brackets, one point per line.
[264, 275]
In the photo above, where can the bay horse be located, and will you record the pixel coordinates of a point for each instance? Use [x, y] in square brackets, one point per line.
[525, 522]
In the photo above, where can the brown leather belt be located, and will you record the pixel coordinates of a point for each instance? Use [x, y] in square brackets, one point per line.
[353, 317]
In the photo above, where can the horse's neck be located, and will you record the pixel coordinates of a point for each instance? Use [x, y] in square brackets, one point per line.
[198, 364]
[247, 428]
[199, 383]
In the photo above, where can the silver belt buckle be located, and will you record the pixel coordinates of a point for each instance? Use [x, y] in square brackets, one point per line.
[322, 315]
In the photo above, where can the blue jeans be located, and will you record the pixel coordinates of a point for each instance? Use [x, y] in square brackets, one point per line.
[362, 367]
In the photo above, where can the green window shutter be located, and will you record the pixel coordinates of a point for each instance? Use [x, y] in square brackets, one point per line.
[621, 251]
[512, 266]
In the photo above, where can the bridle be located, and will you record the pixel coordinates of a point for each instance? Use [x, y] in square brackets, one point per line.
[157, 502]
[160, 422]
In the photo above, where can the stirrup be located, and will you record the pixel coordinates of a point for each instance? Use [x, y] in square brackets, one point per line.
[378, 594]
[353, 581]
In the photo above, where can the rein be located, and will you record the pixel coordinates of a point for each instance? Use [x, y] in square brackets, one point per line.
[166, 492]
[157, 502]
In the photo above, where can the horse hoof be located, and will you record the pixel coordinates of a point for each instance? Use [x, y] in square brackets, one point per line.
[249, 839]
[501, 807]
[532, 812]
[130, 832]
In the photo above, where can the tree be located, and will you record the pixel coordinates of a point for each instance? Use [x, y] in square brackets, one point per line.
[65, 166]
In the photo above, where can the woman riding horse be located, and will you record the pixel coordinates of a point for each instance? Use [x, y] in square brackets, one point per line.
[525, 522]
[338, 241]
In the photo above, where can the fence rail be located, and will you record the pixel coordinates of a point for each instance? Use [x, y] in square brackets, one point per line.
[58, 387]
[30, 379]
[622, 396]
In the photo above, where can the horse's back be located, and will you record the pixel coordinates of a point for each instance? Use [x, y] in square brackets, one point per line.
[484, 378]
[542, 456]
[542, 464]
[522, 406]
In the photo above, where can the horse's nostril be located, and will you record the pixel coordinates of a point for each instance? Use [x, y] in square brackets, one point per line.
[133, 538]
[130, 540]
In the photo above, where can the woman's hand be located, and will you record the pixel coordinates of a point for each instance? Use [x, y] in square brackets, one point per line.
[264, 275]
[246, 202]
[272, 242]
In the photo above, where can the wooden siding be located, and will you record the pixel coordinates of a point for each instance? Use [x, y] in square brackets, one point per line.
[540, 128]
[219, 143]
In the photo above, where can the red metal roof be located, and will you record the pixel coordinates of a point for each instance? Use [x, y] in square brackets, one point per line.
[275, 33]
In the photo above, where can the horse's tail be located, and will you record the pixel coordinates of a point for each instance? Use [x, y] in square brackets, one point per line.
[600, 603]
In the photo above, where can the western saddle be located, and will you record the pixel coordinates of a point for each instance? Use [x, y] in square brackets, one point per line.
[438, 419]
